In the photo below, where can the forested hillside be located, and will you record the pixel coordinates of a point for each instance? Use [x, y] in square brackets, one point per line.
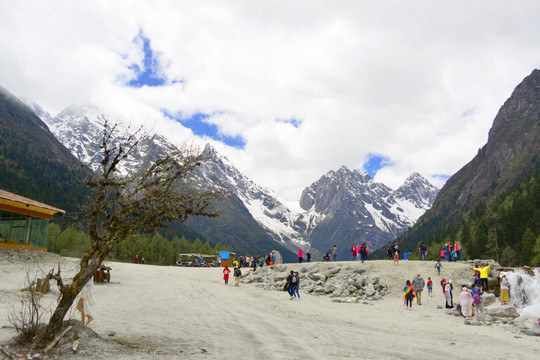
[33, 163]
[508, 230]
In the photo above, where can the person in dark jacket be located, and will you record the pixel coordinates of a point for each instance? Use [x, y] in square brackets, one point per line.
[290, 285]
[296, 281]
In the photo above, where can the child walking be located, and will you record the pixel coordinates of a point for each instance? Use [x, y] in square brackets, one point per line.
[438, 266]
[237, 274]
[226, 272]
[430, 286]
[396, 258]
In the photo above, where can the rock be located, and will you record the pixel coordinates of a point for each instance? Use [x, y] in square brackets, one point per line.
[359, 271]
[489, 299]
[501, 312]
[526, 321]
[329, 274]
[349, 300]
[370, 291]
[316, 276]
[329, 288]
[535, 331]
[352, 288]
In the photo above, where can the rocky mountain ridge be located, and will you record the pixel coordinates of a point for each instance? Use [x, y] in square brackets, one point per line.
[346, 199]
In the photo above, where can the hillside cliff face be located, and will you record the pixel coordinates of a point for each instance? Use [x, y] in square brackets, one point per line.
[509, 156]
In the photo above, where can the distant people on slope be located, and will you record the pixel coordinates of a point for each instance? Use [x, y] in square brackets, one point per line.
[422, 249]
[389, 251]
[353, 252]
[438, 266]
[364, 251]
[300, 255]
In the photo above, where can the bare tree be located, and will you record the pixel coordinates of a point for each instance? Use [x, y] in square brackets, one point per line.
[163, 192]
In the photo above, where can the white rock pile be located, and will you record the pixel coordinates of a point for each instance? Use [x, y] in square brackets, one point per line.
[341, 282]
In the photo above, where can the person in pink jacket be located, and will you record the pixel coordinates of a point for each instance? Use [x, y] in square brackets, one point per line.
[300, 255]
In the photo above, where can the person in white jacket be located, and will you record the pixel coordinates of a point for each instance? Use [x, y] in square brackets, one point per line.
[86, 303]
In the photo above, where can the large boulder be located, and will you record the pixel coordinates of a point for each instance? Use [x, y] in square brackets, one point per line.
[526, 321]
[534, 331]
[489, 299]
[501, 311]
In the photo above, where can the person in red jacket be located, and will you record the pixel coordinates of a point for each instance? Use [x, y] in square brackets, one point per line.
[226, 272]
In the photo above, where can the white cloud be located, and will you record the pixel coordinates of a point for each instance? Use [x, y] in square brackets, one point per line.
[418, 82]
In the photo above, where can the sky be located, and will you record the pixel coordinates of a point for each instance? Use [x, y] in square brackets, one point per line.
[287, 90]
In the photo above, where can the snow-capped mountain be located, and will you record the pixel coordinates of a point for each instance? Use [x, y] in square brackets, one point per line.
[80, 129]
[346, 206]
[342, 207]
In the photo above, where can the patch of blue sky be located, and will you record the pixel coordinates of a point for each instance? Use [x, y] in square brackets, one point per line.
[375, 162]
[199, 124]
[468, 112]
[294, 122]
[149, 73]
[443, 177]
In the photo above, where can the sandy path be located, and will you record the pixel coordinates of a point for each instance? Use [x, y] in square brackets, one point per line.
[173, 312]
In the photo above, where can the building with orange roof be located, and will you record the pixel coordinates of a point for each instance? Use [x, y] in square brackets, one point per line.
[24, 222]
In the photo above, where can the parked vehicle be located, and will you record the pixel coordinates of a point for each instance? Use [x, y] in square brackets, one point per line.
[196, 260]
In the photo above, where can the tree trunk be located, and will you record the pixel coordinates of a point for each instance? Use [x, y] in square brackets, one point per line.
[89, 265]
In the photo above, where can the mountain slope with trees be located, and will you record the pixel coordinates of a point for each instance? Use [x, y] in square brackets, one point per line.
[33, 163]
[481, 204]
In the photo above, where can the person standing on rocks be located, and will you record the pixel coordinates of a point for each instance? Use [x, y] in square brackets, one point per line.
[484, 276]
[363, 252]
[418, 285]
[308, 255]
[300, 255]
[334, 252]
[466, 301]
[430, 286]
[505, 289]
[457, 248]
[449, 301]
[478, 303]
[396, 258]
[389, 252]
[422, 251]
[353, 252]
